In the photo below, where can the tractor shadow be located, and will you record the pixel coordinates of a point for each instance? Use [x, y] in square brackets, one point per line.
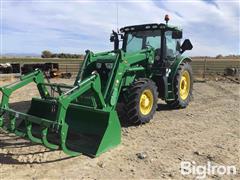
[12, 143]
[125, 122]
[164, 107]
[8, 159]
[21, 106]
[13, 155]
[12, 151]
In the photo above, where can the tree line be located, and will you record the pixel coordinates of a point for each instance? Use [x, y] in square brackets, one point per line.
[49, 54]
[219, 56]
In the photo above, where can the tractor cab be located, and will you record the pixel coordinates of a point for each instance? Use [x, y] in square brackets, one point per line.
[163, 38]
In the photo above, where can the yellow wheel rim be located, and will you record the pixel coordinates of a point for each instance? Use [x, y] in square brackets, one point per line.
[184, 85]
[146, 102]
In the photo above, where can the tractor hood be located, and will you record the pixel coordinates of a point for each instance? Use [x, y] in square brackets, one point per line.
[104, 57]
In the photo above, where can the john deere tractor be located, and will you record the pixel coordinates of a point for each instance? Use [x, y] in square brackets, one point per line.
[83, 117]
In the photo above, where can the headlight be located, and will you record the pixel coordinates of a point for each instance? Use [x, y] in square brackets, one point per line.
[98, 65]
[109, 65]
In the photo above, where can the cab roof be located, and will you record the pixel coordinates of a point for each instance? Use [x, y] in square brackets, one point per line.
[152, 26]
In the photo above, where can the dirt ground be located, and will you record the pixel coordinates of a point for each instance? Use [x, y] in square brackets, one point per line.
[207, 130]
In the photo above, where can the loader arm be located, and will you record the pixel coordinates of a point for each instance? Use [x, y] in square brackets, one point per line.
[37, 77]
[123, 65]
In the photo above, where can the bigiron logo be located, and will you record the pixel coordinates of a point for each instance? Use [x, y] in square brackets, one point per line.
[201, 171]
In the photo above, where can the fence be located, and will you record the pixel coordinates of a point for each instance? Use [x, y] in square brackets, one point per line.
[201, 67]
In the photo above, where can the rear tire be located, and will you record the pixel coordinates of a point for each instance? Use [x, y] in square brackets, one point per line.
[141, 101]
[183, 85]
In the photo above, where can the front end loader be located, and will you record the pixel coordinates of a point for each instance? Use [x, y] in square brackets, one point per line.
[84, 118]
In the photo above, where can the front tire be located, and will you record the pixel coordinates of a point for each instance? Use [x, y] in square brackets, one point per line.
[141, 101]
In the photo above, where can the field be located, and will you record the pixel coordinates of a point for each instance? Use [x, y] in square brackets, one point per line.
[207, 130]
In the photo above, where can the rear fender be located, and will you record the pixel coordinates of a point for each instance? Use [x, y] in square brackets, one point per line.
[176, 65]
[174, 68]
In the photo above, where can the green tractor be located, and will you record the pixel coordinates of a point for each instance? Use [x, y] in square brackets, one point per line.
[84, 118]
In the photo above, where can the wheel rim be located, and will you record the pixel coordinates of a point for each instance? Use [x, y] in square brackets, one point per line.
[146, 102]
[184, 85]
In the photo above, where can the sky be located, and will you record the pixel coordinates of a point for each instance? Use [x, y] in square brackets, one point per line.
[72, 26]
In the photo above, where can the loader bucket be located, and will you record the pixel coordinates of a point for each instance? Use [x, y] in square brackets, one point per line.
[85, 130]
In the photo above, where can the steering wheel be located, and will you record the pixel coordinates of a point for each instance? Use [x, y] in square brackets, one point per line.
[157, 54]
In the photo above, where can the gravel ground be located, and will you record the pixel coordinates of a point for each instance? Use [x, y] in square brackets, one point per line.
[207, 130]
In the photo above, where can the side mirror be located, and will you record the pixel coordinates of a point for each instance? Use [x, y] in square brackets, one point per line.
[186, 45]
[112, 38]
[177, 35]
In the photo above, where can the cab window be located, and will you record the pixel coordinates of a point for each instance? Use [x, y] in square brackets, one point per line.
[154, 41]
[171, 45]
[134, 43]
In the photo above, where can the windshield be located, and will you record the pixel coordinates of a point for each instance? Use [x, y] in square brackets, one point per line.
[136, 41]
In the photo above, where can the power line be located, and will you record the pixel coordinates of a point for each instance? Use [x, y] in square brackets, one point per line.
[117, 15]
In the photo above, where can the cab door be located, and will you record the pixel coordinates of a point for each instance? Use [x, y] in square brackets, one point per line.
[171, 48]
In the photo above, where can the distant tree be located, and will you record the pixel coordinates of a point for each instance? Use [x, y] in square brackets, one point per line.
[46, 54]
[54, 55]
[61, 55]
[219, 56]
